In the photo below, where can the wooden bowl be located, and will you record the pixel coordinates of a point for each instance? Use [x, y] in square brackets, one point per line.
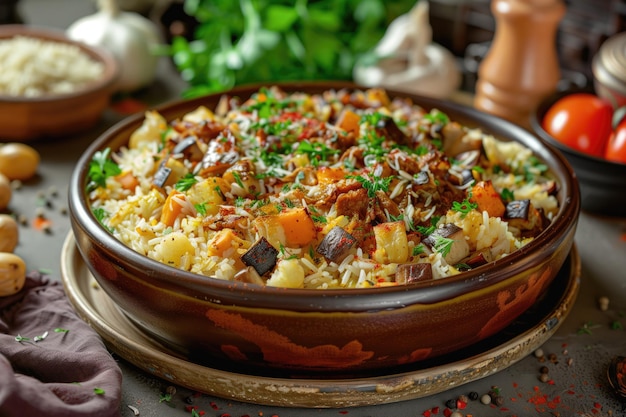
[332, 332]
[24, 119]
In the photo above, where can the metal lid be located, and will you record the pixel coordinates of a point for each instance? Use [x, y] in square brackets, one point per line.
[609, 64]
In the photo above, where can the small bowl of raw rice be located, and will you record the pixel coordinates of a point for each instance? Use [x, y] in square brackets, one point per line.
[50, 85]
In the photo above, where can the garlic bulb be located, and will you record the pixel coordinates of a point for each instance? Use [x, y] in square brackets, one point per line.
[130, 37]
[407, 58]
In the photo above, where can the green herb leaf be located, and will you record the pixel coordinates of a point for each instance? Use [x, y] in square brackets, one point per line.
[373, 183]
[186, 182]
[463, 207]
[101, 167]
[443, 245]
[98, 391]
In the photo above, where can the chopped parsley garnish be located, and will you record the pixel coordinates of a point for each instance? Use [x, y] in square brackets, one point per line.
[186, 182]
[100, 215]
[101, 167]
[316, 151]
[464, 207]
[507, 195]
[425, 231]
[373, 183]
[443, 245]
[200, 208]
[238, 179]
[437, 116]
[418, 250]
[319, 219]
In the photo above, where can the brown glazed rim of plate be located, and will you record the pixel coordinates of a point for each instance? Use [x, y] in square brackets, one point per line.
[527, 333]
[337, 299]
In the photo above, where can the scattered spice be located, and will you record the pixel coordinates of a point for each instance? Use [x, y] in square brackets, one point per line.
[585, 328]
[98, 391]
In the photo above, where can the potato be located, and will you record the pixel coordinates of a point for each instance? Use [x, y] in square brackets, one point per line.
[5, 191]
[9, 233]
[18, 161]
[12, 274]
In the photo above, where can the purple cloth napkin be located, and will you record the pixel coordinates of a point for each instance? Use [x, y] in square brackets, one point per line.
[66, 374]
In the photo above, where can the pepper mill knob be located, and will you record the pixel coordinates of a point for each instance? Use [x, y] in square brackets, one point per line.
[521, 67]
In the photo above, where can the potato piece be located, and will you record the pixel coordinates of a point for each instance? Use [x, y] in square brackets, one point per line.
[289, 273]
[18, 161]
[12, 274]
[9, 233]
[392, 245]
[149, 132]
[176, 250]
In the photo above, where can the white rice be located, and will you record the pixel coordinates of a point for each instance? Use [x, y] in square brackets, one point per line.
[31, 67]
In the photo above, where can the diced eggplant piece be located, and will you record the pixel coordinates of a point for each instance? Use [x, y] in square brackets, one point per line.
[455, 250]
[249, 275]
[479, 258]
[262, 256]
[517, 209]
[415, 272]
[220, 155]
[522, 215]
[161, 176]
[387, 127]
[336, 245]
[189, 148]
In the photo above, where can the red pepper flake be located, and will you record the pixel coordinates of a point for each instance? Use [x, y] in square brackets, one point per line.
[41, 223]
[597, 405]
[447, 412]
[427, 413]
[344, 412]
[435, 410]
[461, 404]
[214, 405]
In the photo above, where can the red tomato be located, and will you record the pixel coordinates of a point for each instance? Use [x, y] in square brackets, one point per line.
[581, 121]
[616, 146]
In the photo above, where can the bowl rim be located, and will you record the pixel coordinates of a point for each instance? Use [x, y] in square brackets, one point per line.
[111, 70]
[356, 299]
[537, 126]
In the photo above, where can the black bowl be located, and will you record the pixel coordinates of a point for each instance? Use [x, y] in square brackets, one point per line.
[602, 183]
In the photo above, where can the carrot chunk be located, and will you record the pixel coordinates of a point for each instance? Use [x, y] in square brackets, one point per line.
[488, 199]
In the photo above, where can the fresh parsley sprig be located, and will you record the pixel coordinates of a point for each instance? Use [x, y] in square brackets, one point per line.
[373, 183]
[101, 167]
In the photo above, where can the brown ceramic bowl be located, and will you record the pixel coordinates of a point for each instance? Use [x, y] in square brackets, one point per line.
[24, 118]
[602, 182]
[305, 332]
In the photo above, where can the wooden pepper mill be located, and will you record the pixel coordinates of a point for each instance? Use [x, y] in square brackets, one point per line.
[521, 66]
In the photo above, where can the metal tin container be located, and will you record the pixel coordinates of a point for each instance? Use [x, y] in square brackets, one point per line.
[609, 70]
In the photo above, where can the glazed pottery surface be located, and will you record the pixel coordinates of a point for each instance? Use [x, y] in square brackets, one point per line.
[323, 332]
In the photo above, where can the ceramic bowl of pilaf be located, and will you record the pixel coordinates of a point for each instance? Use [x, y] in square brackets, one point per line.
[321, 228]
